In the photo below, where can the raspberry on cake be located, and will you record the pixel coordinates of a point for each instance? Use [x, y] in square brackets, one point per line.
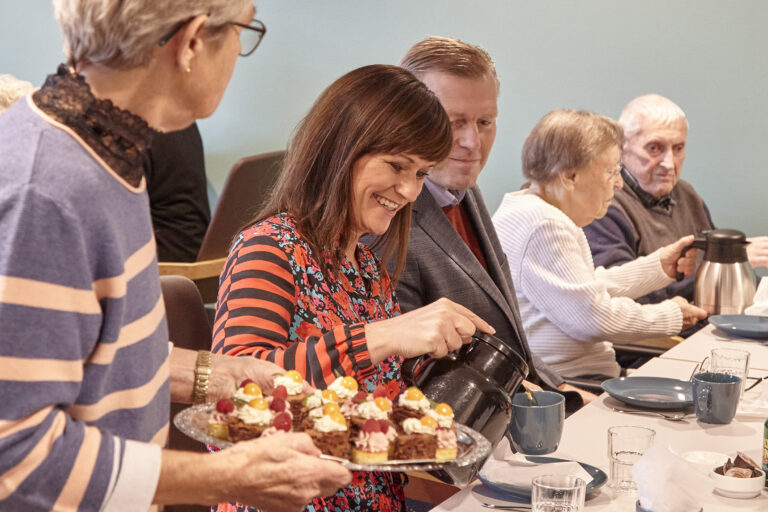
[282, 423]
[419, 440]
[252, 419]
[447, 442]
[218, 423]
[377, 409]
[410, 404]
[330, 433]
[293, 383]
[372, 444]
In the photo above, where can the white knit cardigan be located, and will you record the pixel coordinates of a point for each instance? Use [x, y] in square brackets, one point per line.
[568, 307]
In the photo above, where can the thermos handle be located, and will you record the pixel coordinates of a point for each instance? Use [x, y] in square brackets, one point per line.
[698, 243]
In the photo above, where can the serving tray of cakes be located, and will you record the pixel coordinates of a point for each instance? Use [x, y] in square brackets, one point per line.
[363, 431]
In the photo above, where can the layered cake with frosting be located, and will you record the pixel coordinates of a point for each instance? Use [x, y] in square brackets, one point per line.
[411, 403]
[341, 420]
[447, 441]
[293, 382]
[330, 433]
[374, 442]
[316, 400]
[418, 440]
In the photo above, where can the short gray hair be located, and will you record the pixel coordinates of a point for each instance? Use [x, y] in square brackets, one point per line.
[11, 89]
[567, 139]
[650, 107]
[122, 34]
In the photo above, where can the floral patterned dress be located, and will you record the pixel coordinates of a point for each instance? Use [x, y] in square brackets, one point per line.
[276, 304]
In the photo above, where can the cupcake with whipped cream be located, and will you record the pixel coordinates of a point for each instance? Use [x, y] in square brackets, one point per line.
[411, 403]
[330, 432]
[314, 404]
[218, 423]
[447, 441]
[247, 391]
[293, 383]
[418, 440]
[252, 419]
[376, 409]
[373, 443]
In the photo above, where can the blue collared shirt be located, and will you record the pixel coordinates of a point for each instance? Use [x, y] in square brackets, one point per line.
[443, 196]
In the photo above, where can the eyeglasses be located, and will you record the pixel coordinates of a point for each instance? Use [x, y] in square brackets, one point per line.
[615, 171]
[250, 35]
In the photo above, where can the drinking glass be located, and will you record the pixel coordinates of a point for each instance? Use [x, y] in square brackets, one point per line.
[731, 361]
[558, 493]
[625, 447]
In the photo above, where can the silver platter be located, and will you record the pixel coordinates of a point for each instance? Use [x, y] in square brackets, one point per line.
[472, 446]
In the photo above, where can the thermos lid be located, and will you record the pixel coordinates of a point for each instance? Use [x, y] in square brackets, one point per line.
[726, 236]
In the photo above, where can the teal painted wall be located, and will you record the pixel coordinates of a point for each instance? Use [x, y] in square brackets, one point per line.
[707, 55]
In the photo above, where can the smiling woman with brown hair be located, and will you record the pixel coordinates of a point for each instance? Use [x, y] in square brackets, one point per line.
[300, 289]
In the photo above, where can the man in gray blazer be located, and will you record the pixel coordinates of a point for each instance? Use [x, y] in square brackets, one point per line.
[453, 250]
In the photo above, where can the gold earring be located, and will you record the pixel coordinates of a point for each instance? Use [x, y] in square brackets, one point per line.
[188, 70]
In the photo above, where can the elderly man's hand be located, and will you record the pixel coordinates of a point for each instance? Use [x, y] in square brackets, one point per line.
[229, 371]
[671, 261]
[281, 472]
[757, 251]
[691, 314]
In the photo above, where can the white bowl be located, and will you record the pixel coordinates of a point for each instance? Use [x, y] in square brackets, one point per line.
[703, 460]
[738, 487]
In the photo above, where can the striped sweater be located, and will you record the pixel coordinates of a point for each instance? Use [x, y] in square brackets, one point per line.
[276, 304]
[83, 345]
[569, 308]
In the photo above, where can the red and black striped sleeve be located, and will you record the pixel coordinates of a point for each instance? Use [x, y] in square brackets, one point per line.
[257, 301]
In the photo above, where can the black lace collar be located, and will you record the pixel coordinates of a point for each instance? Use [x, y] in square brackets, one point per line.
[116, 135]
[664, 202]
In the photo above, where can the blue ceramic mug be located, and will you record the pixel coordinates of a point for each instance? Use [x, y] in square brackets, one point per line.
[716, 396]
[536, 430]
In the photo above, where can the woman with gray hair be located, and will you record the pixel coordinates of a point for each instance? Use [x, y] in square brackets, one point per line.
[569, 308]
[87, 374]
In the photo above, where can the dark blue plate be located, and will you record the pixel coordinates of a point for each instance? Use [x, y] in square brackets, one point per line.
[523, 494]
[744, 326]
[651, 392]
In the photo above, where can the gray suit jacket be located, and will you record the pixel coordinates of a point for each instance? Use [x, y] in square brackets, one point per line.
[440, 264]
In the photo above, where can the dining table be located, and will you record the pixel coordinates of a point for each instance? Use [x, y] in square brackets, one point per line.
[584, 436]
[700, 344]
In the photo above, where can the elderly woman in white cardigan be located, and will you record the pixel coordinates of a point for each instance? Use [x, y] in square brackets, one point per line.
[571, 310]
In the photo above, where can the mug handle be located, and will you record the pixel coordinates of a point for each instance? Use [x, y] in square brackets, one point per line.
[702, 398]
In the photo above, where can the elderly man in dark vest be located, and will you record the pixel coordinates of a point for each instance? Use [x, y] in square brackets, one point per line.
[453, 249]
[655, 207]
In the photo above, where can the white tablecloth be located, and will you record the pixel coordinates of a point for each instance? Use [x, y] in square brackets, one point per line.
[585, 439]
[698, 346]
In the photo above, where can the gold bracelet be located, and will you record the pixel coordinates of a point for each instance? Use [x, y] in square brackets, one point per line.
[202, 374]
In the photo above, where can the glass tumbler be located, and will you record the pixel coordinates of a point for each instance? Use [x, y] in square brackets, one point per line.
[625, 447]
[731, 361]
[558, 493]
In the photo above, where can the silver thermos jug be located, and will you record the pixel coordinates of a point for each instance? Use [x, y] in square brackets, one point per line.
[725, 282]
